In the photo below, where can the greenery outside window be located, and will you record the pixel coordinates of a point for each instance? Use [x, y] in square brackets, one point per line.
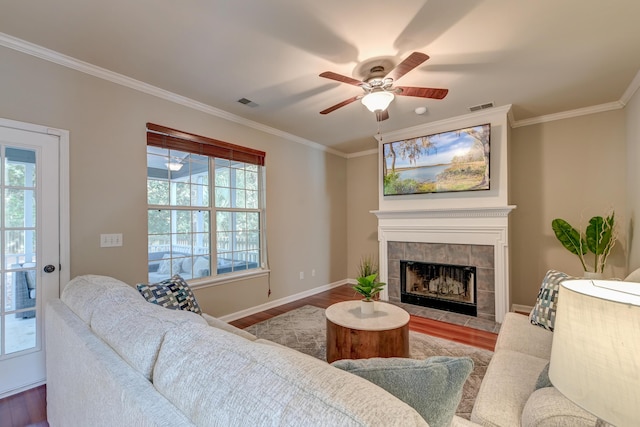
[204, 205]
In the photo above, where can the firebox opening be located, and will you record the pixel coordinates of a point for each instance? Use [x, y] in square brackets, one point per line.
[441, 286]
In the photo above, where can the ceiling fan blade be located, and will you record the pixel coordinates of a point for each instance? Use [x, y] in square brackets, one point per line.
[421, 92]
[382, 115]
[340, 78]
[340, 105]
[411, 62]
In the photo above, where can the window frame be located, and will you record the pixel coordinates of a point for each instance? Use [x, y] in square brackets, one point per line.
[172, 139]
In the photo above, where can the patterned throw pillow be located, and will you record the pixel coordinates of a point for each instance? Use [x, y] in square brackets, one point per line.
[544, 312]
[173, 293]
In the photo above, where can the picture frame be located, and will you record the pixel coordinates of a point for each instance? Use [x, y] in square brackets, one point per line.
[451, 161]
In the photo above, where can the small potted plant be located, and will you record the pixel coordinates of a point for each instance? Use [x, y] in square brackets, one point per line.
[599, 238]
[368, 285]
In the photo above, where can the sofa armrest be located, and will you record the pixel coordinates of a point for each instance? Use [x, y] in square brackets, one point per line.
[217, 323]
[507, 385]
[547, 407]
[518, 334]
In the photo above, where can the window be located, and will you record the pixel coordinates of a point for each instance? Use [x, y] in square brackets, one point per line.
[205, 203]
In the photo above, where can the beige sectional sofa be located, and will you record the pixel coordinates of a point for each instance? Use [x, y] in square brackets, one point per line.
[113, 359]
[513, 391]
[508, 396]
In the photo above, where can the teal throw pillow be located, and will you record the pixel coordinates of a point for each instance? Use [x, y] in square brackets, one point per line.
[544, 311]
[173, 293]
[543, 379]
[433, 386]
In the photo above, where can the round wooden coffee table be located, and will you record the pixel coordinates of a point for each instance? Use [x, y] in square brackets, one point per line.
[352, 335]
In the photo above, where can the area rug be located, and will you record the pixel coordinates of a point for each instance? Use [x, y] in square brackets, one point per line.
[304, 329]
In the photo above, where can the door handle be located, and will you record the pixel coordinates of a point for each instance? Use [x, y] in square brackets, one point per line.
[49, 268]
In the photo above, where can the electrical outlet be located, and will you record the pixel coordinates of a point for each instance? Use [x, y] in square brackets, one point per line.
[301, 275]
[110, 240]
[313, 273]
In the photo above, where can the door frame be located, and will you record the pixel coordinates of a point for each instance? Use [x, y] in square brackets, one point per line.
[64, 206]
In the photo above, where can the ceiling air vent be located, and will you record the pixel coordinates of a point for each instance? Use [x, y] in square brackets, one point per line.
[481, 106]
[247, 102]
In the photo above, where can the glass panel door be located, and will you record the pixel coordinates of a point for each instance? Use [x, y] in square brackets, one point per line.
[29, 251]
[19, 244]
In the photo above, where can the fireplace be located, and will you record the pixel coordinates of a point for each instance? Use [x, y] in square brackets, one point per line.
[443, 286]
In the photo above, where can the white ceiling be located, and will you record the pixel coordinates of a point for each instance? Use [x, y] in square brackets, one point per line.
[543, 56]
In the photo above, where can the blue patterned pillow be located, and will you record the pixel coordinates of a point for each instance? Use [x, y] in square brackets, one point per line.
[173, 293]
[544, 312]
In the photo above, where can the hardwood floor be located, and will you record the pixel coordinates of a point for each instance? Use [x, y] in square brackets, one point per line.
[29, 408]
[460, 334]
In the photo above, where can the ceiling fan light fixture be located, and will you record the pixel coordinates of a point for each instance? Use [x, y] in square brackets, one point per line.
[174, 166]
[377, 101]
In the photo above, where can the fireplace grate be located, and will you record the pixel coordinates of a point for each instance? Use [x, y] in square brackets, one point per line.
[441, 286]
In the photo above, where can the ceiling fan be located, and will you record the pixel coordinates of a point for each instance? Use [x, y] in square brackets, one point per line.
[378, 85]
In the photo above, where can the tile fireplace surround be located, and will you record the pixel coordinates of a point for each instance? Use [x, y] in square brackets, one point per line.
[466, 236]
[479, 256]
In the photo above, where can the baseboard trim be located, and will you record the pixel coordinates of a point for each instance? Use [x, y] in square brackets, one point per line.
[521, 308]
[275, 303]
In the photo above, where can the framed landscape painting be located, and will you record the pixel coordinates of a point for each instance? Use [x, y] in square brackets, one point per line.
[456, 160]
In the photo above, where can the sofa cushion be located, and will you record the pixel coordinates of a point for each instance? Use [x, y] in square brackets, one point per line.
[201, 267]
[218, 378]
[509, 381]
[547, 407]
[433, 387]
[83, 293]
[544, 311]
[135, 329]
[173, 293]
[634, 276]
[170, 265]
[518, 334]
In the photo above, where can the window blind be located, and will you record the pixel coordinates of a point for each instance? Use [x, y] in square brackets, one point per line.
[164, 137]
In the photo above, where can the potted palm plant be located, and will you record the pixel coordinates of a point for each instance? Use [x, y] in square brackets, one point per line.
[599, 238]
[368, 286]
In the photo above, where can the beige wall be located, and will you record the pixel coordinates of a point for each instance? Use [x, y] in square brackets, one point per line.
[362, 197]
[632, 111]
[549, 178]
[564, 169]
[306, 191]
[318, 204]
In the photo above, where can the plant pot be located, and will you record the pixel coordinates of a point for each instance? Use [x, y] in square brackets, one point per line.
[367, 306]
[593, 275]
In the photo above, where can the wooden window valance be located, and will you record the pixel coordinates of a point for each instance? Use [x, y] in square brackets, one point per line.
[164, 137]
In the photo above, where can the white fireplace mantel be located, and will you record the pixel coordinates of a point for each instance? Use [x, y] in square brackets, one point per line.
[476, 212]
[472, 226]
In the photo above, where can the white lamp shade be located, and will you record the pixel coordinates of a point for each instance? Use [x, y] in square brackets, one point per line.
[595, 355]
[377, 101]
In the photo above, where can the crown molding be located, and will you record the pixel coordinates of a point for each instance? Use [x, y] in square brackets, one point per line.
[102, 73]
[362, 153]
[616, 105]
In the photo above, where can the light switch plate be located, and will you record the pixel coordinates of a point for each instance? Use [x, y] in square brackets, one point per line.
[110, 240]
